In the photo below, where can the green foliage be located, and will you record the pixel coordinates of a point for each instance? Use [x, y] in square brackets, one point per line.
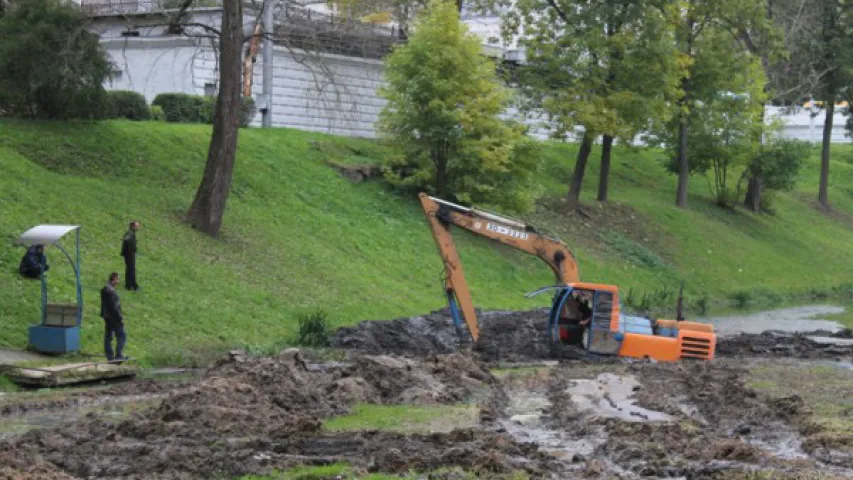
[51, 66]
[778, 163]
[247, 111]
[184, 108]
[723, 110]
[609, 67]
[313, 329]
[633, 251]
[442, 115]
[127, 104]
[157, 113]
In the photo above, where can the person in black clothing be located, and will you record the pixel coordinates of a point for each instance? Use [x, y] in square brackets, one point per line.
[113, 319]
[34, 262]
[128, 251]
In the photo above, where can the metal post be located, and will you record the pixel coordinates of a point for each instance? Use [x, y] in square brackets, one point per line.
[266, 120]
[79, 286]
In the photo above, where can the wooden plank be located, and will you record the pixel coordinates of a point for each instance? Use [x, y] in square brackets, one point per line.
[68, 374]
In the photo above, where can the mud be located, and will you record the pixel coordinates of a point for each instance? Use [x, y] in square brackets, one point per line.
[706, 422]
[520, 337]
[248, 415]
[20, 404]
[504, 335]
[787, 345]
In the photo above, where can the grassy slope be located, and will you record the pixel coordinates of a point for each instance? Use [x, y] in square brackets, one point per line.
[297, 236]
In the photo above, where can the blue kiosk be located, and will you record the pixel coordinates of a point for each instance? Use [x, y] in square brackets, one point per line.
[59, 331]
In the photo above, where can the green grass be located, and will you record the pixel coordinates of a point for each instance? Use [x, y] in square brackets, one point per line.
[405, 418]
[298, 237]
[345, 472]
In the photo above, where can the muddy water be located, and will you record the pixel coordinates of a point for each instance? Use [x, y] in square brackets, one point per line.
[115, 408]
[792, 319]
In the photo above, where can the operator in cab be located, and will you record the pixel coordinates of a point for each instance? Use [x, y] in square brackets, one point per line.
[574, 319]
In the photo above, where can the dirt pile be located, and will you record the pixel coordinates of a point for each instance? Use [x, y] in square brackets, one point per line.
[779, 344]
[247, 415]
[504, 335]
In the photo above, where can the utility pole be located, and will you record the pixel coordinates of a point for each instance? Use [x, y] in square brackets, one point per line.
[266, 120]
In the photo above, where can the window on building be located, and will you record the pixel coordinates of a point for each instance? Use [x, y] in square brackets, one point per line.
[130, 33]
[210, 89]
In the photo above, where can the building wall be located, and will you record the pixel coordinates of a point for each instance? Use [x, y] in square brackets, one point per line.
[326, 93]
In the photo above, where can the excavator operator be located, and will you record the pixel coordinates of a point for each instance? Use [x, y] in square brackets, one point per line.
[574, 318]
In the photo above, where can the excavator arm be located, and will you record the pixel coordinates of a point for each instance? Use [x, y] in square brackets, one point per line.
[441, 214]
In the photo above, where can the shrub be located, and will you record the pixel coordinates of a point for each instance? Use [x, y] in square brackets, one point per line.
[127, 104]
[313, 330]
[51, 66]
[183, 108]
[247, 111]
[157, 113]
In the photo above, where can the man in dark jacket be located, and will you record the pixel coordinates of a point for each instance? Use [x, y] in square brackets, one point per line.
[34, 262]
[113, 319]
[128, 251]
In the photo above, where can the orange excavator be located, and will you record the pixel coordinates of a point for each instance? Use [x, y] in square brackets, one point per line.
[587, 315]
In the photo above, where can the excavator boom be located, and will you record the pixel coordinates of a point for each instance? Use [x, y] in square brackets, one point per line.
[441, 214]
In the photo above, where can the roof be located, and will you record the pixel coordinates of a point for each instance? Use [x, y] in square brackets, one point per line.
[45, 234]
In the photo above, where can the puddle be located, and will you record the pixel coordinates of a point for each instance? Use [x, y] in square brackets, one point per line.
[612, 396]
[794, 319]
[525, 424]
[114, 409]
[841, 342]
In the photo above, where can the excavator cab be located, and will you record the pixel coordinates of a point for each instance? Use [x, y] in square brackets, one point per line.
[608, 331]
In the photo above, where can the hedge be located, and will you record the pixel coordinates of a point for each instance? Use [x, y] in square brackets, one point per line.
[127, 104]
[184, 108]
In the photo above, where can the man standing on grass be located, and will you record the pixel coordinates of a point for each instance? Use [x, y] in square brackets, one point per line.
[128, 251]
[113, 319]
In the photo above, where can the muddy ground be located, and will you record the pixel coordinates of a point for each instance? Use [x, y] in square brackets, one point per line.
[584, 418]
[518, 337]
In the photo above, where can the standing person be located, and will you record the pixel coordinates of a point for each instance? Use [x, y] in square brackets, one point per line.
[128, 251]
[113, 319]
[34, 262]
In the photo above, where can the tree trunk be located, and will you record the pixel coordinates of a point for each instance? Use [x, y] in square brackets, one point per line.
[459, 4]
[822, 195]
[440, 174]
[580, 168]
[603, 179]
[208, 207]
[753, 194]
[683, 166]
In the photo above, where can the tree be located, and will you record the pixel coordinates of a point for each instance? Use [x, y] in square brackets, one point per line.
[834, 57]
[775, 166]
[605, 67]
[442, 113]
[51, 66]
[722, 139]
[708, 31]
[208, 206]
